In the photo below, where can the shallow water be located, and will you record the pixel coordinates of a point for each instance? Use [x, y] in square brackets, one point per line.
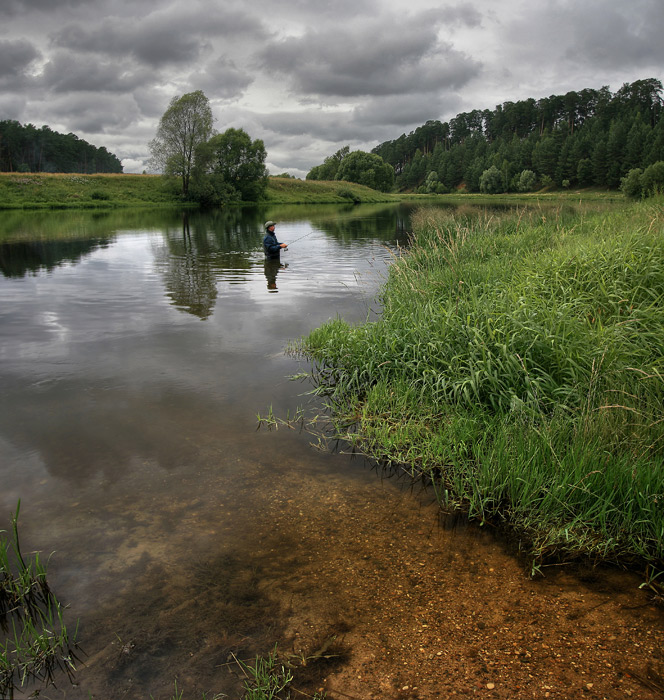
[136, 350]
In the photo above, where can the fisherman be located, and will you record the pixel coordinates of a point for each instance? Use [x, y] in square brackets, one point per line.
[271, 245]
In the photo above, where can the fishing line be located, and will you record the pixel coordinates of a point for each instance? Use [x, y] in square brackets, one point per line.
[300, 238]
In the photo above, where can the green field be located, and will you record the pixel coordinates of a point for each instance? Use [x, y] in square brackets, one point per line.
[73, 191]
[519, 363]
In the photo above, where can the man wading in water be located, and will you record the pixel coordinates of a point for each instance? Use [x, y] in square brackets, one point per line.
[271, 245]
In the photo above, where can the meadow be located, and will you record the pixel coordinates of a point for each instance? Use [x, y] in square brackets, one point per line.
[75, 191]
[518, 363]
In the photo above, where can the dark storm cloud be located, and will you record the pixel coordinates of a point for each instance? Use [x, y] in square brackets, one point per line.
[16, 56]
[220, 78]
[103, 114]
[10, 8]
[164, 37]
[68, 73]
[375, 58]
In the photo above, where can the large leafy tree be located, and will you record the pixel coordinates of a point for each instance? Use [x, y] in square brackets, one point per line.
[237, 165]
[184, 126]
[366, 169]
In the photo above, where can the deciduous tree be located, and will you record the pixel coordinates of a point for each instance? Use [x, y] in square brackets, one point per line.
[184, 126]
[238, 165]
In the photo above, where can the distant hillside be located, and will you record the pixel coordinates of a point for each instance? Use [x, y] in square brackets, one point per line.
[28, 149]
[586, 138]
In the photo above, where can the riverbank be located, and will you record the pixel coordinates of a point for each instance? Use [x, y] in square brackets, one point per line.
[518, 363]
[74, 191]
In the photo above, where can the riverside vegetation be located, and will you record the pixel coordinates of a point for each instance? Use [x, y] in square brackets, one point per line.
[518, 362]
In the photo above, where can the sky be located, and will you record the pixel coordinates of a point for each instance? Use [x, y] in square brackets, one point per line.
[307, 76]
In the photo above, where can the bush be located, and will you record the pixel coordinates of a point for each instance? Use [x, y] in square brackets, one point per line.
[632, 184]
[653, 179]
[491, 181]
[527, 181]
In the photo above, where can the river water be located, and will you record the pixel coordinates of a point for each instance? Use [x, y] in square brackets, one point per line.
[137, 350]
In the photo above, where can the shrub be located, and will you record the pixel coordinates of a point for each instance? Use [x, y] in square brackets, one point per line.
[527, 181]
[632, 184]
[491, 181]
[653, 178]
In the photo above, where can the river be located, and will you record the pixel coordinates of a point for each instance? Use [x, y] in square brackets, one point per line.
[137, 350]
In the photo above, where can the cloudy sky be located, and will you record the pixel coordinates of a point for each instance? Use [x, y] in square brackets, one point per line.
[308, 76]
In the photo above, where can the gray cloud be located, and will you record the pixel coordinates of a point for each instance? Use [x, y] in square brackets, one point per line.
[16, 56]
[103, 114]
[307, 76]
[10, 8]
[66, 72]
[371, 58]
[597, 34]
[177, 36]
[221, 78]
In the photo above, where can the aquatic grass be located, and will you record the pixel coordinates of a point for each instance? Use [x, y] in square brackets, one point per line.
[519, 362]
[268, 678]
[34, 639]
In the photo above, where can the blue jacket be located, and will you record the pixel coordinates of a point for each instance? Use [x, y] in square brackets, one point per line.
[271, 245]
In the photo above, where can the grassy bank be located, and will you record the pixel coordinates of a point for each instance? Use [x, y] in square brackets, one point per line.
[519, 361]
[73, 191]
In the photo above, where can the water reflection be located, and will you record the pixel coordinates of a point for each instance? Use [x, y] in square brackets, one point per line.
[19, 259]
[272, 267]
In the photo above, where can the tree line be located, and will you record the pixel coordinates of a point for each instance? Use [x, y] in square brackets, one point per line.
[586, 138]
[27, 149]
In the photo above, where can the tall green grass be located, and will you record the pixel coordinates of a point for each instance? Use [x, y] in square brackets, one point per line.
[519, 361]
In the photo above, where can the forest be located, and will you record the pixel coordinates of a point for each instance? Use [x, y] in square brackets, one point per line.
[27, 149]
[580, 139]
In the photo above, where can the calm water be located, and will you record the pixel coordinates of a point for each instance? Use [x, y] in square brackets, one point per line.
[136, 350]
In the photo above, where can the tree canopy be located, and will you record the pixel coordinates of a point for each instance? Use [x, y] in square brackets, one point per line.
[184, 126]
[358, 166]
[238, 165]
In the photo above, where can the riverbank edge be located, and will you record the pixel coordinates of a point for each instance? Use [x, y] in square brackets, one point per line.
[44, 191]
[384, 431]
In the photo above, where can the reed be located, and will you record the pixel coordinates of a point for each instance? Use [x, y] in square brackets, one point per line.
[519, 362]
[34, 640]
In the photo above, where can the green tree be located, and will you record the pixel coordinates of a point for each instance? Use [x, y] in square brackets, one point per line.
[632, 183]
[183, 128]
[237, 165]
[491, 181]
[367, 169]
[653, 179]
[330, 166]
[527, 181]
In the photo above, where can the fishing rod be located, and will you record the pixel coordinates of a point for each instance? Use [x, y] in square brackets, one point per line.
[301, 237]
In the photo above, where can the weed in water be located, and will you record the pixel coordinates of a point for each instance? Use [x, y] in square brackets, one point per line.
[35, 642]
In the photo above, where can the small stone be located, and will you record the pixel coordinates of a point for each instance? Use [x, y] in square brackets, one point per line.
[405, 687]
[490, 686]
